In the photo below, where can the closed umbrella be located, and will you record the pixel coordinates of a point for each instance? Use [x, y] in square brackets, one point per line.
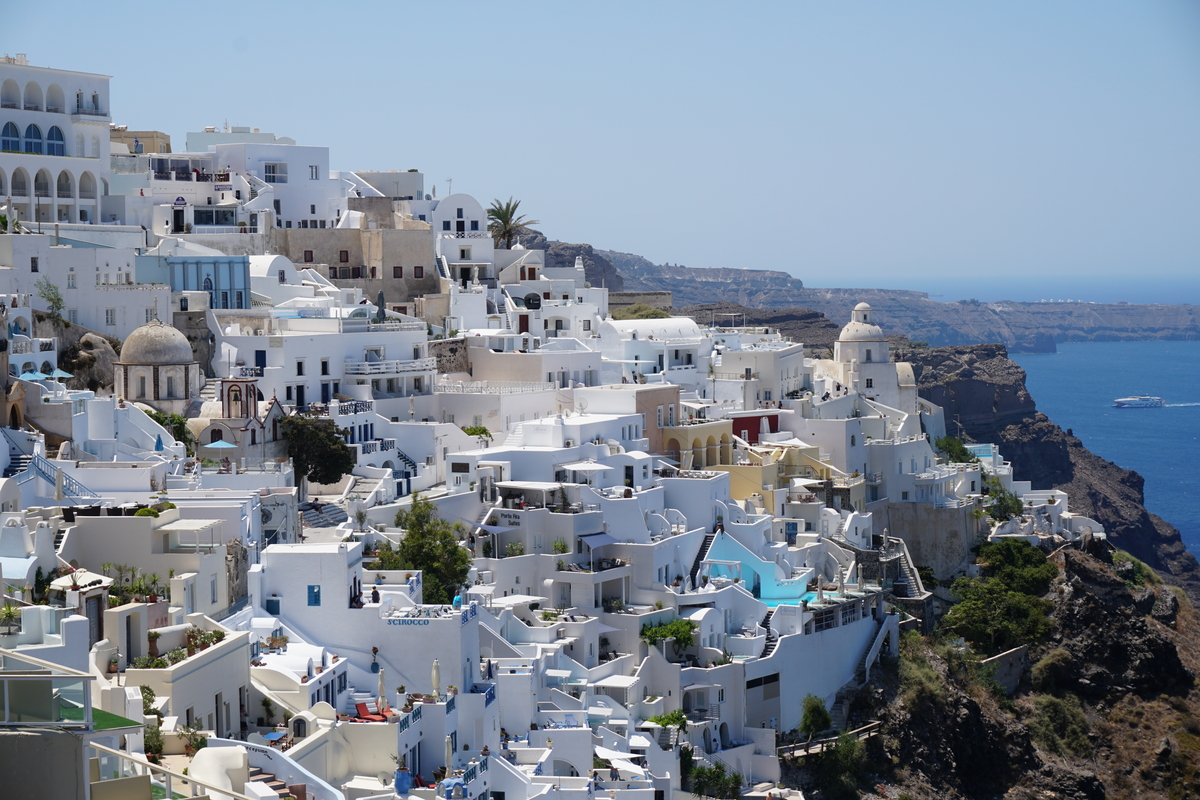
[489, 672]
[449, 755]
[158, 444]
[436, 677]
[59, 492]
[381, 694]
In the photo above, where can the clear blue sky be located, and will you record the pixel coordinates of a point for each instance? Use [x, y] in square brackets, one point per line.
[889, 144]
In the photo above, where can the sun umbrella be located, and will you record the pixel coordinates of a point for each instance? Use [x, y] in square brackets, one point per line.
[58, 373]
[221, 443]
[436, 676]
[34, 376]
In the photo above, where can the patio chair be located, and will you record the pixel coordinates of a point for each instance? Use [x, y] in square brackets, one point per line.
[570, 721]
[365, 715]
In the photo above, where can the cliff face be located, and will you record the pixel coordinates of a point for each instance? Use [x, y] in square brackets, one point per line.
[985, 400]
[689, 286]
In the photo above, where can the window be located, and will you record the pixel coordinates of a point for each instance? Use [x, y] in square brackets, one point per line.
[212, 591]
[171, 387]
[660, 416]
[460, 213]
[224, 299]
[868, 354]
[344, 256]
[11, 138]
[33, 139]
[312, 209]
[288, 393]
[110, 316]
[474, 224]
[587, 324]
[314, 594]
[397, 272]
[904, 495]
[73, 316]
[446, 225]
[314, 172]
[324, 366]
[299, 366]
[183, 304]
[282, 276]
[33, 263]
[464, 254]
[287, 224]
[149, 314]
[275, 173]
[303, 223]
[55, 145]
[853, 440]
[141, 386]
[418, 272]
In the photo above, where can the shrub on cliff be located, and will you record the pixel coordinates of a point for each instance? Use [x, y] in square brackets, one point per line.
[1060, 726]
[1018, 565]
[639, 311]
[994, 618]
[955, 451]
[1052, 671]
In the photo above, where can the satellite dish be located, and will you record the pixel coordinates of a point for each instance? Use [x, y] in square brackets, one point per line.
[581, 404]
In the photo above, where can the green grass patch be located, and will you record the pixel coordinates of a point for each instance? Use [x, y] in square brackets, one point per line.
[1060, 726]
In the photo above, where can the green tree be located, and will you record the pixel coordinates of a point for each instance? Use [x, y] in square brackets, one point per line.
[504, 223]
[177, 425]
[477, 430]
[48, 291]
[1018, 565]
[316, 449]
[815, 717]
[430, 544]
[1003, 504]
[955, 451]
[683, 631]
[994, 618]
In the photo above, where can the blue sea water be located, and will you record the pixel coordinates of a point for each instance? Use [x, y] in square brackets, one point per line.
[1076, 386]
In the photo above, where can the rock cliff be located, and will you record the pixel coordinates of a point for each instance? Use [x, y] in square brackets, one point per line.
[985, 400]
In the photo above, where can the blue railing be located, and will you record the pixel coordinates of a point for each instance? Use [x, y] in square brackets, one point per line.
[71, 487]
[416, 713]
[403, 724]
[489, 696]
[451, 704]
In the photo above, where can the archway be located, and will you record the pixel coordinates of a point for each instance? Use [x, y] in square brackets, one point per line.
[41, 183]
[673, 449]
[698, 461]
[14, 418]
[3, 183]
[216, 435]
[724, 733]
[66, 185]
[46, 369]
[20, 183]
[33, 96]
[87, 186]
[54, 99]
[10, 137]
[10, 94]
[713, 455]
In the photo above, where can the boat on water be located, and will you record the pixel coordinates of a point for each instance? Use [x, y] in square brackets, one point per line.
[1140, 401]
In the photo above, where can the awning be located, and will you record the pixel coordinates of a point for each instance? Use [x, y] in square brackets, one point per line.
[608, 628]
[594, 540]
[616, 681]
[625, 766]
[609, 755]
[558, 673]
[692, 686]
[637, 740]
[586, 466]
[482, 591]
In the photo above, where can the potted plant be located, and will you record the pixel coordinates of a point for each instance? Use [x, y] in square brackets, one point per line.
[152, 638]
[452, 691]
[112, 665]
[378, 578]
[374, 659]
[268, 710]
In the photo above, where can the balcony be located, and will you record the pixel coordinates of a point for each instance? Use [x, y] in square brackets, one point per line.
[87, 195]
[493, 387]
[383, 369]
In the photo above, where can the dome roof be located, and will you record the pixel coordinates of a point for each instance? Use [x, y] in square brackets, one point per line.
[861, 332]
[156, 343]
[862, 307]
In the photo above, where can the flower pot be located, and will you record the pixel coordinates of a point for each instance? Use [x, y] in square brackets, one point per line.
[152, 648]
[112, 668]
[374, 666]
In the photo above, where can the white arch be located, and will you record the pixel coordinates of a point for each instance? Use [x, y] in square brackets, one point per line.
[79, 151]
[42, 182]
[66, 185]
[87, 186]
[10, 94]
[33, 96]
[54, 98]
[20, 182]
[3, 183]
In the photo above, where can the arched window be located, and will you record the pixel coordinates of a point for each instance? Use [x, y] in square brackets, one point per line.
[20, 183]
[55, 143]
[868, 355]
[33, 139]
[11, 139]
[217, 435]
[253, 436]
[64, 185]
[853, 440]
[208, 287]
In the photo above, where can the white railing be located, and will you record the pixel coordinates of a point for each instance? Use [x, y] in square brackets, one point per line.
[389, 367]
[493, 387]
[132, 766]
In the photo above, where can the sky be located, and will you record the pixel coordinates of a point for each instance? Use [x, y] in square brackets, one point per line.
[916, 145]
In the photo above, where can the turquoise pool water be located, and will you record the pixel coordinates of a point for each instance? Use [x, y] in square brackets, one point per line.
[809, 597]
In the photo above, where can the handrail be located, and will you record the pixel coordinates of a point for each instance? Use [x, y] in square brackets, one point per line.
[188, 779]
[71, 486]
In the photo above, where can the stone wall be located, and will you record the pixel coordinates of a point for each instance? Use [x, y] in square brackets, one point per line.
[451, 354]
[939, 538]
[1010, 666]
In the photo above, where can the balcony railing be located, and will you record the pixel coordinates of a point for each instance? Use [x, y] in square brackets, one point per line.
[389, 367]
[84, 194]
[183, 175]
[249, 372]
[162, 176]
[32, 107]
[41, 191]
[66, 193]
[493, 387]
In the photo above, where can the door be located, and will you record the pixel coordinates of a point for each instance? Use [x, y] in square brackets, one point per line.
[178, 221]
[300, 397]
[128, 638]
[93, 613]
[260, 359]
[464, 275]
[325, 395]
[523, 323]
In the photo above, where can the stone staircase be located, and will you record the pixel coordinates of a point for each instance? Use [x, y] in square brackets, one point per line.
[330, 515]
[838, 713]
[911, 589]
[862, 672]
[701, 554]
[668, 737]
[17, 463]
[772, 637]
[270, 781]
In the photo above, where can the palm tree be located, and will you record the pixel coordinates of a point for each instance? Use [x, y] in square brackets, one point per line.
[504, 223]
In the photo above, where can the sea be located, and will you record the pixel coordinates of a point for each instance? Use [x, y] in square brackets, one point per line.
[1076, 386]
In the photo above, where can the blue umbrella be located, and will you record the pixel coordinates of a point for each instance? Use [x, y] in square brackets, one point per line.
[221, 443]
[58, 373]
[158, 445]
[34, 376]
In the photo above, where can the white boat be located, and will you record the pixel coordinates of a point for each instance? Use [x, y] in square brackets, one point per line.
[1140, 401]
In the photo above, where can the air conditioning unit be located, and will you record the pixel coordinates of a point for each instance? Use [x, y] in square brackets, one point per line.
[568, 443]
